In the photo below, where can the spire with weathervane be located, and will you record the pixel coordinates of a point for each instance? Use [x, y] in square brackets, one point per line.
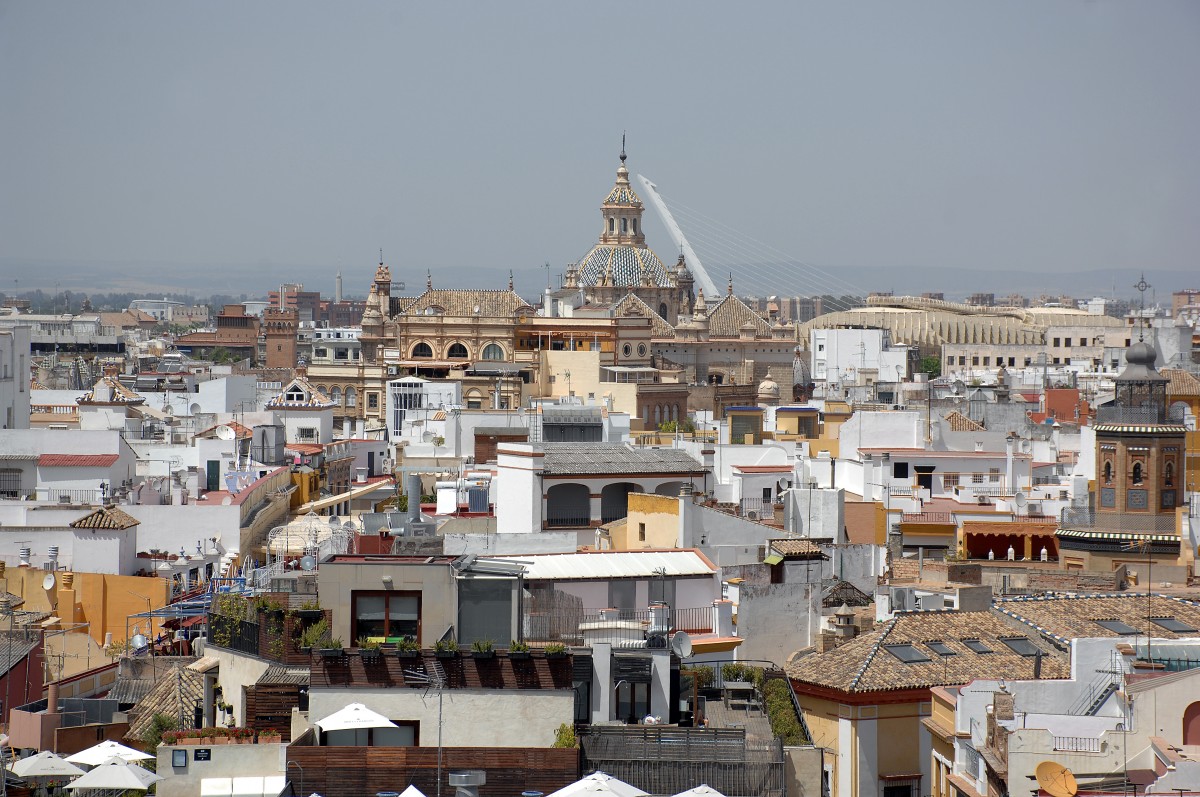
[622, 211]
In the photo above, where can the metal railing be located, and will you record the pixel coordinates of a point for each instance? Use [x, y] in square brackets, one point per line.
[64, 496]
[1135, 415]
[539, 630]
[764, 509]
[927, 517]
[1086, 518]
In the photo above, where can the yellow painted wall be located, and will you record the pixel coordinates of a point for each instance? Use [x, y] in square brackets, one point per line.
[659, 513]
[585, 379]
[102, 600]
[822, 718]
[899, 749]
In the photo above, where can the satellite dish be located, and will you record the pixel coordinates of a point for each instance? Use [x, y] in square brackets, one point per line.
[783, 483]
[139, 642]
[225, 433]
[1019, 499]
[48, 582]
[308, 563]
[1056, 780]
[168, 410]
[681, 645]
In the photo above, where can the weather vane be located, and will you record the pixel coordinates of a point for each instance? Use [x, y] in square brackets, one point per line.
[1141, 286]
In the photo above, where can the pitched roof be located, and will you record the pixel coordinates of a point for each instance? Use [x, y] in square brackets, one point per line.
[463, 302]
[77, 460]
[730, 315]
[313, 398]
[238, 429]
[106, 517]
[961, 423]
[1181, 383]
[843, 592]
[805, 549]
[633, 305]
[109, 390]
[176, 693]
[1064, 617]
[600, 459]
[865, 663]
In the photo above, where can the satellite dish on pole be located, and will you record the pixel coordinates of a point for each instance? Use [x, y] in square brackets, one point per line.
[225, 432]
[681, 645]
[308, 563]
[1056, 780]
[1019, 499]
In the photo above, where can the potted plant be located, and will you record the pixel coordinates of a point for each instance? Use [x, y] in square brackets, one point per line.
[331, 648]
[483, 649]
[518, 650]
[555, 650]
[445, 648]
[269, 737]
[407, 648]
[371, 650]
[314, 635]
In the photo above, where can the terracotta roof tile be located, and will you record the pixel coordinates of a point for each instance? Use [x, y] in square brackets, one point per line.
[961, 423]
[633, 305]
[864, 664]
[727, 319]
[77, 460]
[1181, 383]
[1074, 616]
[792, 547]
[107, 517]
[491, 304]
[176, 694]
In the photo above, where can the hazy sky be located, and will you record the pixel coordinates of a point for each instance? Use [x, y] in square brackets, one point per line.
[1046, 136]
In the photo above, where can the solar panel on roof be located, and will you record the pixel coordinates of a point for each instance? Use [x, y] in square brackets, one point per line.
[1021, 646]
[907, 653]
[1117, 627]
[977, 646]
[1171, 624]
[940, 648]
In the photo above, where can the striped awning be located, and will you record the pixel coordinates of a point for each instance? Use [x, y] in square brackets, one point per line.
[1117, 535]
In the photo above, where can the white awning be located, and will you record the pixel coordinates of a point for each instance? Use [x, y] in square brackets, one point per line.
[354, 717]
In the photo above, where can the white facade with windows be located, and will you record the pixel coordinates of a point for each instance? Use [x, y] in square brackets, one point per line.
[14, 377]
[856, 356]
[413, 393]
[336, 346]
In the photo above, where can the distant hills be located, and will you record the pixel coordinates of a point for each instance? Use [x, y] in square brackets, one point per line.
[255, 279]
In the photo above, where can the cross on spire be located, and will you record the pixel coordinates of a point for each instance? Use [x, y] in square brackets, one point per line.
[622, 146]
[1141, 286]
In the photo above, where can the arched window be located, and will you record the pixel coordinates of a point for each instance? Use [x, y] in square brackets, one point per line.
[492, 351]
[1137, 473]
[635, 226]
[662, 309]
[657, 414]
[457, 351]
[351, 397]
[336, 395]
[624, 225]
[422, 350]
[1169, 474]
[1108, 470]
[612, 224]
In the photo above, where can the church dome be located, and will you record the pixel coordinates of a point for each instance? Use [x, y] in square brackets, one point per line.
[1141, 353]
[801, 374]
[768, 390]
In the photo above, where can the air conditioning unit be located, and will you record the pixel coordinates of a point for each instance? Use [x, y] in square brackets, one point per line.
[1034, 509]
[752, 515]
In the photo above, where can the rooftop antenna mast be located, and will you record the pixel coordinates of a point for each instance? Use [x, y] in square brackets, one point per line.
[434, 678]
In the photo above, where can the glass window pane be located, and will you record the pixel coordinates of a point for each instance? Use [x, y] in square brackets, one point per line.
[403, 615]
[369, 619]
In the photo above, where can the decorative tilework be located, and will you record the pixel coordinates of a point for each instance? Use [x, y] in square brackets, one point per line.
[628, 264]
[1137, 499]
[1108, 497]
[1168, 499]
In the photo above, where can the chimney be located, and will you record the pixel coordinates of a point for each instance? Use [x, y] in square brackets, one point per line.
[24, 553]
[52, 699]
[52, 553]
[412, 488]
[1004, 704]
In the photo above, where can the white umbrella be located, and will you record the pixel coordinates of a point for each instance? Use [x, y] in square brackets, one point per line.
[412, 791]
[354, 717]
[703, 790]
[116, 775]
[599, 782]
[98, 754]
[44, 765]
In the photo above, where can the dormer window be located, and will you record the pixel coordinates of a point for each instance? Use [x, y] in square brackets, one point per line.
[295, 394]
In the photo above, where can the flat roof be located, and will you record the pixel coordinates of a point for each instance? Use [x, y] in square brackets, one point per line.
[583, 565]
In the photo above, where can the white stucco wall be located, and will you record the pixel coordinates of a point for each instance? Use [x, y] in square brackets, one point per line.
[470, 717]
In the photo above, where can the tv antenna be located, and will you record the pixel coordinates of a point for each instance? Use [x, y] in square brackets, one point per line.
[433, 676]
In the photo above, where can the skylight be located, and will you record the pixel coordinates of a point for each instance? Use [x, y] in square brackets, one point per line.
[940, 648]
[1117, 627]
[907, 653]
[977, 646]
[1171, 624]
[1021, 646]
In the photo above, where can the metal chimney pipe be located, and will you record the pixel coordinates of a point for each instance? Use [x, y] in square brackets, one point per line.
[24, 553]
[412, 488]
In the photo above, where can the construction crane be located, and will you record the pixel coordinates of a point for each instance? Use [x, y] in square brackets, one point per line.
[681, 243]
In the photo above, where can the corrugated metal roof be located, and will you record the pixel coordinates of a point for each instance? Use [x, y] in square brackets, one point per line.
[600, 459]
[277, 674]
[614, 564]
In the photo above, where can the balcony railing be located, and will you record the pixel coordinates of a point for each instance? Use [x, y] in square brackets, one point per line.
[927, 517]
[627, 627]
[1131, 415]
[1085, 518]
[1077, 744]
[763, 509]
